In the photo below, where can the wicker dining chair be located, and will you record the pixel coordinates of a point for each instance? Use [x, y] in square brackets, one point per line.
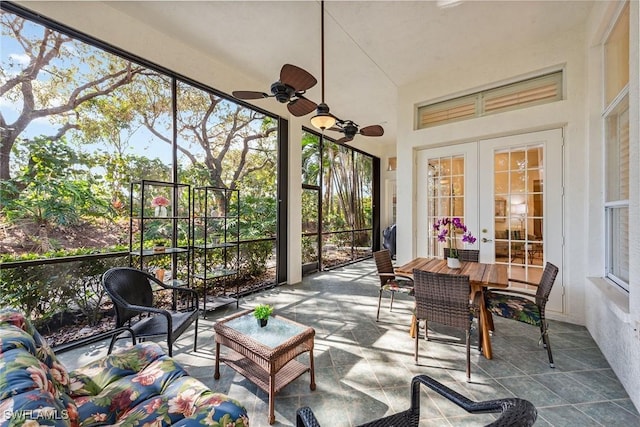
[470, 255]
[390, 281]
[524, 306]
[132, 295]
[514, 412]
[444, 299]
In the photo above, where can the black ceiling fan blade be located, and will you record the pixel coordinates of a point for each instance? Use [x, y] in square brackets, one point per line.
[249, 94]
[297, 78]
[301, 106]
[373, 130]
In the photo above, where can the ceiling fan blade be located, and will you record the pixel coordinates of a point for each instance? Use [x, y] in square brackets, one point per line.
[336, 129]
[301, 106]
[248, 94]
[297, 78]
[373, 130]
[344, 139]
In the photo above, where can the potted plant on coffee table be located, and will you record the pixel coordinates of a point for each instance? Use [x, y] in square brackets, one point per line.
[262, 313]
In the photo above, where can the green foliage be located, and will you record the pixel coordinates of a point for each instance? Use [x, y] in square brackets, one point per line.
[311, 159]
[120, 170]
[59, 253]
[54, 189]
[258, 217]
[254, 256]
[262, 311]
[47, 290]
[309, 249]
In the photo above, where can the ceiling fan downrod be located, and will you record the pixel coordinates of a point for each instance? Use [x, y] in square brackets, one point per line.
[323, 118]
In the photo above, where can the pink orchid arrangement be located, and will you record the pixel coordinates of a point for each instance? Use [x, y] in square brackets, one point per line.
[159, 201]
[447, 229]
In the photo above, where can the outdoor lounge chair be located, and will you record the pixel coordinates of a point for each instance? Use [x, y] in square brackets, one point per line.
[132, 295]
[514, 412]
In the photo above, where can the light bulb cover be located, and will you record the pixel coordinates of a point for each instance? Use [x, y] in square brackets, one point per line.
[323, 119]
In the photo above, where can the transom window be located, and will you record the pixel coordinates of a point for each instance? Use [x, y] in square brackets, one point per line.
[521, 94]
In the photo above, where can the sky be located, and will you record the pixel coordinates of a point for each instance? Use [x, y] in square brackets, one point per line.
[13, 59]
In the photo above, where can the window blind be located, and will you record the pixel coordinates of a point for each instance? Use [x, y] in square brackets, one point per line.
[522, 94]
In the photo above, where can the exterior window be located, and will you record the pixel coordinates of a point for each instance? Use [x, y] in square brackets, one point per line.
[337, 203]
[616, 125]
[78, 123]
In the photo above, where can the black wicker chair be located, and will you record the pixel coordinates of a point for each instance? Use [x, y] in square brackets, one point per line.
[444, 299]
[514, 412]
[470, 255]
[132, 295]
[524, 306]
[390, 281]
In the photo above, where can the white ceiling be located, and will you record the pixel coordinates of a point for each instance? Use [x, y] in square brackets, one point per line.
[371, 47]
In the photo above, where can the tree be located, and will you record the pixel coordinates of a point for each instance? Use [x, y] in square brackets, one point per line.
[225, 144]
[311, 158]
[51, 83]
[101, 102]
[346, 190]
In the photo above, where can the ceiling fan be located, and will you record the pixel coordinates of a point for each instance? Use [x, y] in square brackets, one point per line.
[293, 83]
[351, 129]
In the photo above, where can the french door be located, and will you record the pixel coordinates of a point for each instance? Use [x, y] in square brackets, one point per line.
[508, 191]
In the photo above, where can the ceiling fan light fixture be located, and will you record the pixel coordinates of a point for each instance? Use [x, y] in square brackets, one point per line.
[323, 119]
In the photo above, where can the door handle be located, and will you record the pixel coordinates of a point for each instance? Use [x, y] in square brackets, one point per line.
[485, 240]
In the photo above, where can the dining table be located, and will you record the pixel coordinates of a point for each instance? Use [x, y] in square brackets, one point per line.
[481, 276]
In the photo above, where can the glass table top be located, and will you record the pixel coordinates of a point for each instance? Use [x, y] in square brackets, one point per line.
[276, 332]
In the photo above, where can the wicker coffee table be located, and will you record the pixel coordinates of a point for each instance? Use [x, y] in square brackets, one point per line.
[265, 356]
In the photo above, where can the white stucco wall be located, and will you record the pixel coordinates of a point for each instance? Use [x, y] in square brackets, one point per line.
[612, 315]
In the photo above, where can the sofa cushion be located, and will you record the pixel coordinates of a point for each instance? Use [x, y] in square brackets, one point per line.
[138, 386]
[35, 408]
[37, 346]
[142, 385]
[28, 389]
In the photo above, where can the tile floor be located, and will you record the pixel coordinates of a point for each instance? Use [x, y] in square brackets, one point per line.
[364, 367]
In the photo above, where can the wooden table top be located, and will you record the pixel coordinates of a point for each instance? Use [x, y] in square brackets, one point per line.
[495, 275]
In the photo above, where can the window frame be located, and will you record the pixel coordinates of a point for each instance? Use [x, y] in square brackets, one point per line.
[612, 206]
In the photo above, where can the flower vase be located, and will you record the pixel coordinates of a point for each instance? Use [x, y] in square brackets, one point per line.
[262, 322]
[161, 211]
[453, 262]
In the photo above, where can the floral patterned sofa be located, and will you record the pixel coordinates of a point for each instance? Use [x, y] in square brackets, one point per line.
[139, 385]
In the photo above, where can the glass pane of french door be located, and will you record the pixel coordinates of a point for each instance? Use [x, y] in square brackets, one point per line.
[445, 194]
[519, 214]
[448, 182]
[521, 206]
